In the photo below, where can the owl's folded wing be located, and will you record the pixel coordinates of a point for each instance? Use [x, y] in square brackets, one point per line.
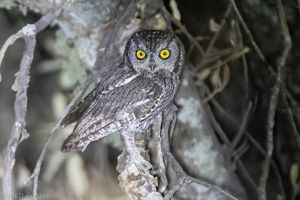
[77, 111]
[126, 107]
[111, 80]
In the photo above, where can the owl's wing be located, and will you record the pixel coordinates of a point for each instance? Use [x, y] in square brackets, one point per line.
[122, 108]
[112, 79]
[77, 111]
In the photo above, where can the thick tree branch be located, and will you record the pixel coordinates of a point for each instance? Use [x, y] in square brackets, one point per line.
[19, 131]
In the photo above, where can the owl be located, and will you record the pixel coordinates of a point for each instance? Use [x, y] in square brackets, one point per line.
[132, 94]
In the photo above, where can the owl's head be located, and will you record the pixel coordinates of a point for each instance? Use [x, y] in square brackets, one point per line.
[154, 51]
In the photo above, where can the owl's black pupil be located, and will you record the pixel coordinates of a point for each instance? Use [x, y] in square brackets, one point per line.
[165, 53]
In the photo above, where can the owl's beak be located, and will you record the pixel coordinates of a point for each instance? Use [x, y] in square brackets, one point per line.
[152, 66]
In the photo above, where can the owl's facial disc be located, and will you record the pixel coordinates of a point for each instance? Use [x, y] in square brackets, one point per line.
[151, 52]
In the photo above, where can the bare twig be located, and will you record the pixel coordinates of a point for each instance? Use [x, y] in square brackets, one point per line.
[294, 104]
[252, 40]
[169, 119]
[244, 61]
[290, 115]
[18, 133]
[217, 33]
[255, 144]
[240, 151]
[274, 100]
[215, 36]
[256, 47]
[216, 55]
[243, 126]
[217, 126]
[227, 142]
[235, 55]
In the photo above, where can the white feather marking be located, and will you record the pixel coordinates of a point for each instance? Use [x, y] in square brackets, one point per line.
[139, 103]
[126, 80]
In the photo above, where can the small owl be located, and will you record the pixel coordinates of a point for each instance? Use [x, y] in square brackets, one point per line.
[132, 94]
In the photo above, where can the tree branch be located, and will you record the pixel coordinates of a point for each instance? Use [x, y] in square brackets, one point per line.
[274, 101]
[169, 119]
[18, 133]
[253, 42]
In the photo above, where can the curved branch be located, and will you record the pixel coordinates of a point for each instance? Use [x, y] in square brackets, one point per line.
[18, 133]
[169, 119]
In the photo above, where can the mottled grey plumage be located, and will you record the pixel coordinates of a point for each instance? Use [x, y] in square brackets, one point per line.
[131, 95]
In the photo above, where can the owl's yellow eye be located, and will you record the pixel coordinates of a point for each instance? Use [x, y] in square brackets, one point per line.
[140, 54]
[165, 54]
